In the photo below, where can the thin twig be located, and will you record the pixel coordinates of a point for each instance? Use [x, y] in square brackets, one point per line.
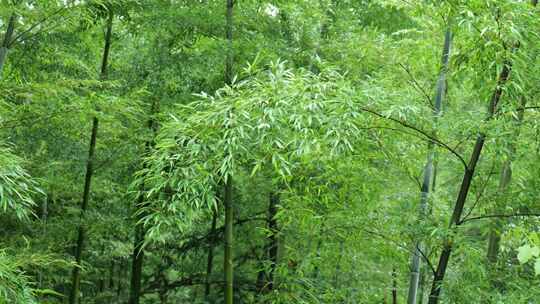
[380, 145]
[417, 85]
[29, 120]
[426, 259]
[33, 26]
[478, 197]
[462, 141]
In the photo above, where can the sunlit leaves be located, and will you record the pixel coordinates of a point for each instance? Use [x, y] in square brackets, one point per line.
[15, 284]
[17, 188]
[526, 252]
[530, 253]
[271, 121]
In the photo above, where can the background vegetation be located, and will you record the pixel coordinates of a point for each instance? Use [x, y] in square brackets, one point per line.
[220, 151]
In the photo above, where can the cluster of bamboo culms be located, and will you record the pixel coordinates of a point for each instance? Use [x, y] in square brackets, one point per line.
[139, 231]
[414, 296]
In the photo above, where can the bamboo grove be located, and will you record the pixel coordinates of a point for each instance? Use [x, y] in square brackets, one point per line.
[242, 151]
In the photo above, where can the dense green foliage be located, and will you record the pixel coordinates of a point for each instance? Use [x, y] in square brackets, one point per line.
[319, 142]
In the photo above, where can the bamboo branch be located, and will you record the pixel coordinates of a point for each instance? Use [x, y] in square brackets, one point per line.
[486, 216]
[431, 138]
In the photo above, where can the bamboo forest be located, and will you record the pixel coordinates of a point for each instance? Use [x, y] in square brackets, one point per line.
[269, 151]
